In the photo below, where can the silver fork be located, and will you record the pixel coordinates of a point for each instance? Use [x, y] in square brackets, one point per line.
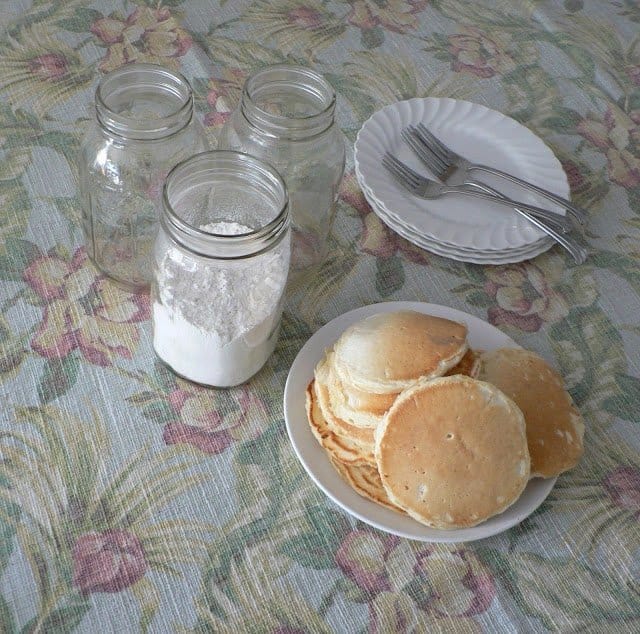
[434, 165]
[423, 187]
[456, 168]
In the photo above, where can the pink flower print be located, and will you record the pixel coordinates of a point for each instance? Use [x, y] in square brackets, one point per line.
[525, 299]
[362, 558]
[394, 15]
[305, 17]
[377, 239]
[460, 586]
[206, 423]
[109, 561]
[146, 35]
[83, 311]
[223, 95]
[49, 67]
[617, 134]
[476, 53]
[623, 486]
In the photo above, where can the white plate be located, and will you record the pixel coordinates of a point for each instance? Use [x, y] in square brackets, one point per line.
[508, 256]
[397, 220]
[314, 458]
[468, 256]
[478, 133]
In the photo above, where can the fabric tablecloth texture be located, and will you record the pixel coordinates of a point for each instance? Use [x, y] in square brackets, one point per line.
[131, 500]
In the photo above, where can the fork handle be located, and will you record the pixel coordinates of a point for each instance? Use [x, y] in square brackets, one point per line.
[553, 219]
[538, 212]
[577, 252]
[579, 214]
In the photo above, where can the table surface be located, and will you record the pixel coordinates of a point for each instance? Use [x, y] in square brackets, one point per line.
[132, 501]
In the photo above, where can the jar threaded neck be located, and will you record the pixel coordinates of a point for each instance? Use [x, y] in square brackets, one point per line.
[288, 102]
[143, 102]
[207, 187]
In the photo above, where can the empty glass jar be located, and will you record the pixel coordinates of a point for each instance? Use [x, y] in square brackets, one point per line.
[286, 117]
[144, 125]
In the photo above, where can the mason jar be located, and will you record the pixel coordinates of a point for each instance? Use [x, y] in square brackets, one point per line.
[144, 125]
[286, 117]
[221, 264]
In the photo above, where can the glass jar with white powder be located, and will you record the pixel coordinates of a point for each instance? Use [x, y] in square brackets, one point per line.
[221, 264]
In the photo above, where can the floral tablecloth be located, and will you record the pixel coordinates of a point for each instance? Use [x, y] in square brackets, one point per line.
[131, 500]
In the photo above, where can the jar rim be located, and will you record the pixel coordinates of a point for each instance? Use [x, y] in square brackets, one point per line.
[301, 79]
[169, 81]
[227, 246]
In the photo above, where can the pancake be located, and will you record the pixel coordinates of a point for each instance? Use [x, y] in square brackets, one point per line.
[469, 365]
[388, 352]
[354, 411]
[361, 436]
[365, 409]
[555, 429]
[365, 480]
[452, 452]
[344, 450]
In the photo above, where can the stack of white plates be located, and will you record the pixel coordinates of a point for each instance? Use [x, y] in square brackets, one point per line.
[456, 226]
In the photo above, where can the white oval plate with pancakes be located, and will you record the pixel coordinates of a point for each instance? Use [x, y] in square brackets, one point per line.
[481, 336]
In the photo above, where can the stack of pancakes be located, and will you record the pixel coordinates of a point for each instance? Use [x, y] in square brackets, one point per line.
[399, 408]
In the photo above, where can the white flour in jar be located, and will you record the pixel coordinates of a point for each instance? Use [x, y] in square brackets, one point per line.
[218, 324]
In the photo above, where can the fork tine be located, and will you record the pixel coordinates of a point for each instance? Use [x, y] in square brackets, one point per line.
[434, 143]
[398, 173]
[401, 178]
[426, 155]
[430, 160]
[402, 168]
[407, 177]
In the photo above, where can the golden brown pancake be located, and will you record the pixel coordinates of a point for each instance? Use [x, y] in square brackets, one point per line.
[452, 452]
[555, 428]
[365, 480]
[387, 352]
[343, 406]
[468, 365]
[342, 449]
[361, 436]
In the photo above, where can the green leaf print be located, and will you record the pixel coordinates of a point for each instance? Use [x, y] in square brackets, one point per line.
[626, 404]
[388, 77]
[360, 100]
[58, 377]
[624, 266]
[7, 622]
[372, 38]
[73, 514]
[256, 577]
[147, 596]
[47, 88]
[9, 517]
[389, 275]
[573, 595]
[82, 20]
[315, 547]
[63, 620]
[588, 362]
[18, 254]
[273, 21]
[13, 349]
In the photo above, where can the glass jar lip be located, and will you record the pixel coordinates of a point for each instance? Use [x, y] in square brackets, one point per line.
[294, 126]
[229, 246]
[149, 128]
